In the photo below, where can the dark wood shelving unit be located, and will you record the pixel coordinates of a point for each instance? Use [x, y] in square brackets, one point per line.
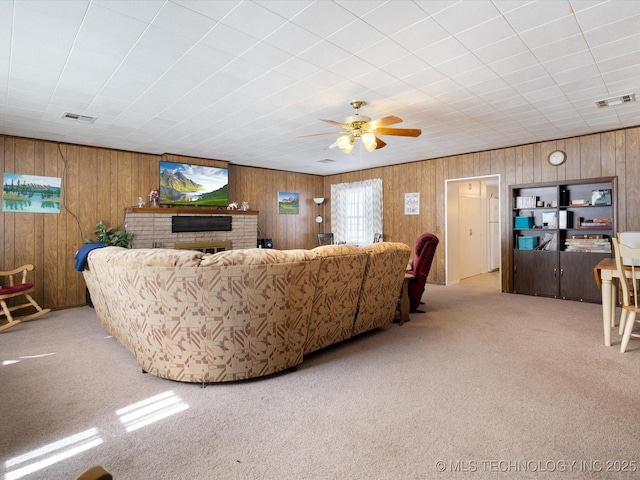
[561, 270]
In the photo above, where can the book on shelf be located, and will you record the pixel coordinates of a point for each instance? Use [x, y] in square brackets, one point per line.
[578, 202]
[526, 202]
[587, 243]
[594, 223]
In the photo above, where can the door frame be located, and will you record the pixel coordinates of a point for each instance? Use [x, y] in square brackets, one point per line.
[451, 227]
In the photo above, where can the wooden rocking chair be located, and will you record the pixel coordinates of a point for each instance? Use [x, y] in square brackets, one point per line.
[10, 289]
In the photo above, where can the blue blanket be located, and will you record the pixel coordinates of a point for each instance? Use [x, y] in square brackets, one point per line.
[81, 254]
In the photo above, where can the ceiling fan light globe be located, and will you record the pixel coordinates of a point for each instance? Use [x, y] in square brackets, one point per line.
[369, 141]
[345, 143]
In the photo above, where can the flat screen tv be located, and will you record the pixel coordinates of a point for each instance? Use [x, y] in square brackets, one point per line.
[183, 184]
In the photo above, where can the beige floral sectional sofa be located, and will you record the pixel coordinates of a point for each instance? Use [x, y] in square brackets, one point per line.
[240, 314]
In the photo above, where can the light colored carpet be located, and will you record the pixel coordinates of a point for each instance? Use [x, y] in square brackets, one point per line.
[490, 384]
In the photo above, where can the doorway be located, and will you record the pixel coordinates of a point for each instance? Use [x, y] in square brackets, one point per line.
[472, 228]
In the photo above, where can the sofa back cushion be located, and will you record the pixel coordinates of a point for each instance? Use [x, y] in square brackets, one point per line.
[336, 297]
[254, 256]
[381, 286]
[148, 257]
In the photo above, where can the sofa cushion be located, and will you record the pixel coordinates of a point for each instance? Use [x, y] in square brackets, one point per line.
[148, 257]
[255, 256]
[381, 285]
[336, 250]
[336, 296]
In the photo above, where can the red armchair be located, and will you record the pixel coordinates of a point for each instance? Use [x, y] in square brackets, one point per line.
[424, 249]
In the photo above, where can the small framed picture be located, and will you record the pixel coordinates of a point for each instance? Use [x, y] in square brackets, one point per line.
[601, 197]
[412, 203]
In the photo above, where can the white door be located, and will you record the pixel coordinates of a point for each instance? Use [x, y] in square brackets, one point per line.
[472, 237]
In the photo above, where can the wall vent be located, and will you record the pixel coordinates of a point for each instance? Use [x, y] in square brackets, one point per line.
[79, 118]
[613, 101]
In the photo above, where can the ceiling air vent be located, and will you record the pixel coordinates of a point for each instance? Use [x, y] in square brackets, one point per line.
[613, 101]
[326, 160]
[79, 118]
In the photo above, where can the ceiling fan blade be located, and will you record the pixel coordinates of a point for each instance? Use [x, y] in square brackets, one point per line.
[379, 143]
[333, 122]
[318, 134]
[382, 122]
[401, 132]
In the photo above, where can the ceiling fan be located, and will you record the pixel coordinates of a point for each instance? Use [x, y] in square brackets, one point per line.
[362, 127]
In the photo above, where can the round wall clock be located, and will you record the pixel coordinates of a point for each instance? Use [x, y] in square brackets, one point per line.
[557, 158]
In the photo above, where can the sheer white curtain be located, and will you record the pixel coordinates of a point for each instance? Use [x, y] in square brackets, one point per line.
[356, 211]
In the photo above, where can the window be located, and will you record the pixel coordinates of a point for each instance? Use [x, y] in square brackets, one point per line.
[356, 211]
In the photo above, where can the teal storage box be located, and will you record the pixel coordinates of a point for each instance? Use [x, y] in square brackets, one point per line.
[524, 222]
[527, 243]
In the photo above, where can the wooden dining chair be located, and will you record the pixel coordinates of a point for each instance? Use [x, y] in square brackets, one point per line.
[12, 289]
[629, 287]
[325, 239]
[96, 473]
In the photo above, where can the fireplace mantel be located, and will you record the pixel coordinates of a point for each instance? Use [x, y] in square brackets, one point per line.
[189, 211]
[152, 226]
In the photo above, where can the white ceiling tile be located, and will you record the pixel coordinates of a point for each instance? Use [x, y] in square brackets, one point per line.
[616, 48]
[393, 17]
[421, 34]
[356, 37]
[143, 10]
[564, 48]
[324, 18]
[167, 76]
[441, 52]
[460, 65]
[382, 53]
[405, 66]
[183, 22]
[501, 50]
[253, 19]
[624, 29]
[292, 39]
[295, 67]
[285, 8]
[491, 32]
[606, 13]
[461, 16]
[516, 63]
[552, 32]
[538, 14]
[324, 54]
[619, 62]
[526, 75]
[568, 77]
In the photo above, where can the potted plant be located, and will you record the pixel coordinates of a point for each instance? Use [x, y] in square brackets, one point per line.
[111, 237]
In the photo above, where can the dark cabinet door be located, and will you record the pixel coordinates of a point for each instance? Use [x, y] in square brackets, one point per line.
[546, 274]
[576, 276]
[535, 272]
[523, 276]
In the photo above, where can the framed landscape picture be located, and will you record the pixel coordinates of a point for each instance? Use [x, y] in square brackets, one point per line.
[30, 193]
[288, 203]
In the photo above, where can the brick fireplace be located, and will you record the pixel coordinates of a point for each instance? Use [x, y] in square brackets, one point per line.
[155, 227]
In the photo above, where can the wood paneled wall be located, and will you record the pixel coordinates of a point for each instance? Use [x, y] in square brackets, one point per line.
[260, 188]
[615, 153]
[98, 184]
